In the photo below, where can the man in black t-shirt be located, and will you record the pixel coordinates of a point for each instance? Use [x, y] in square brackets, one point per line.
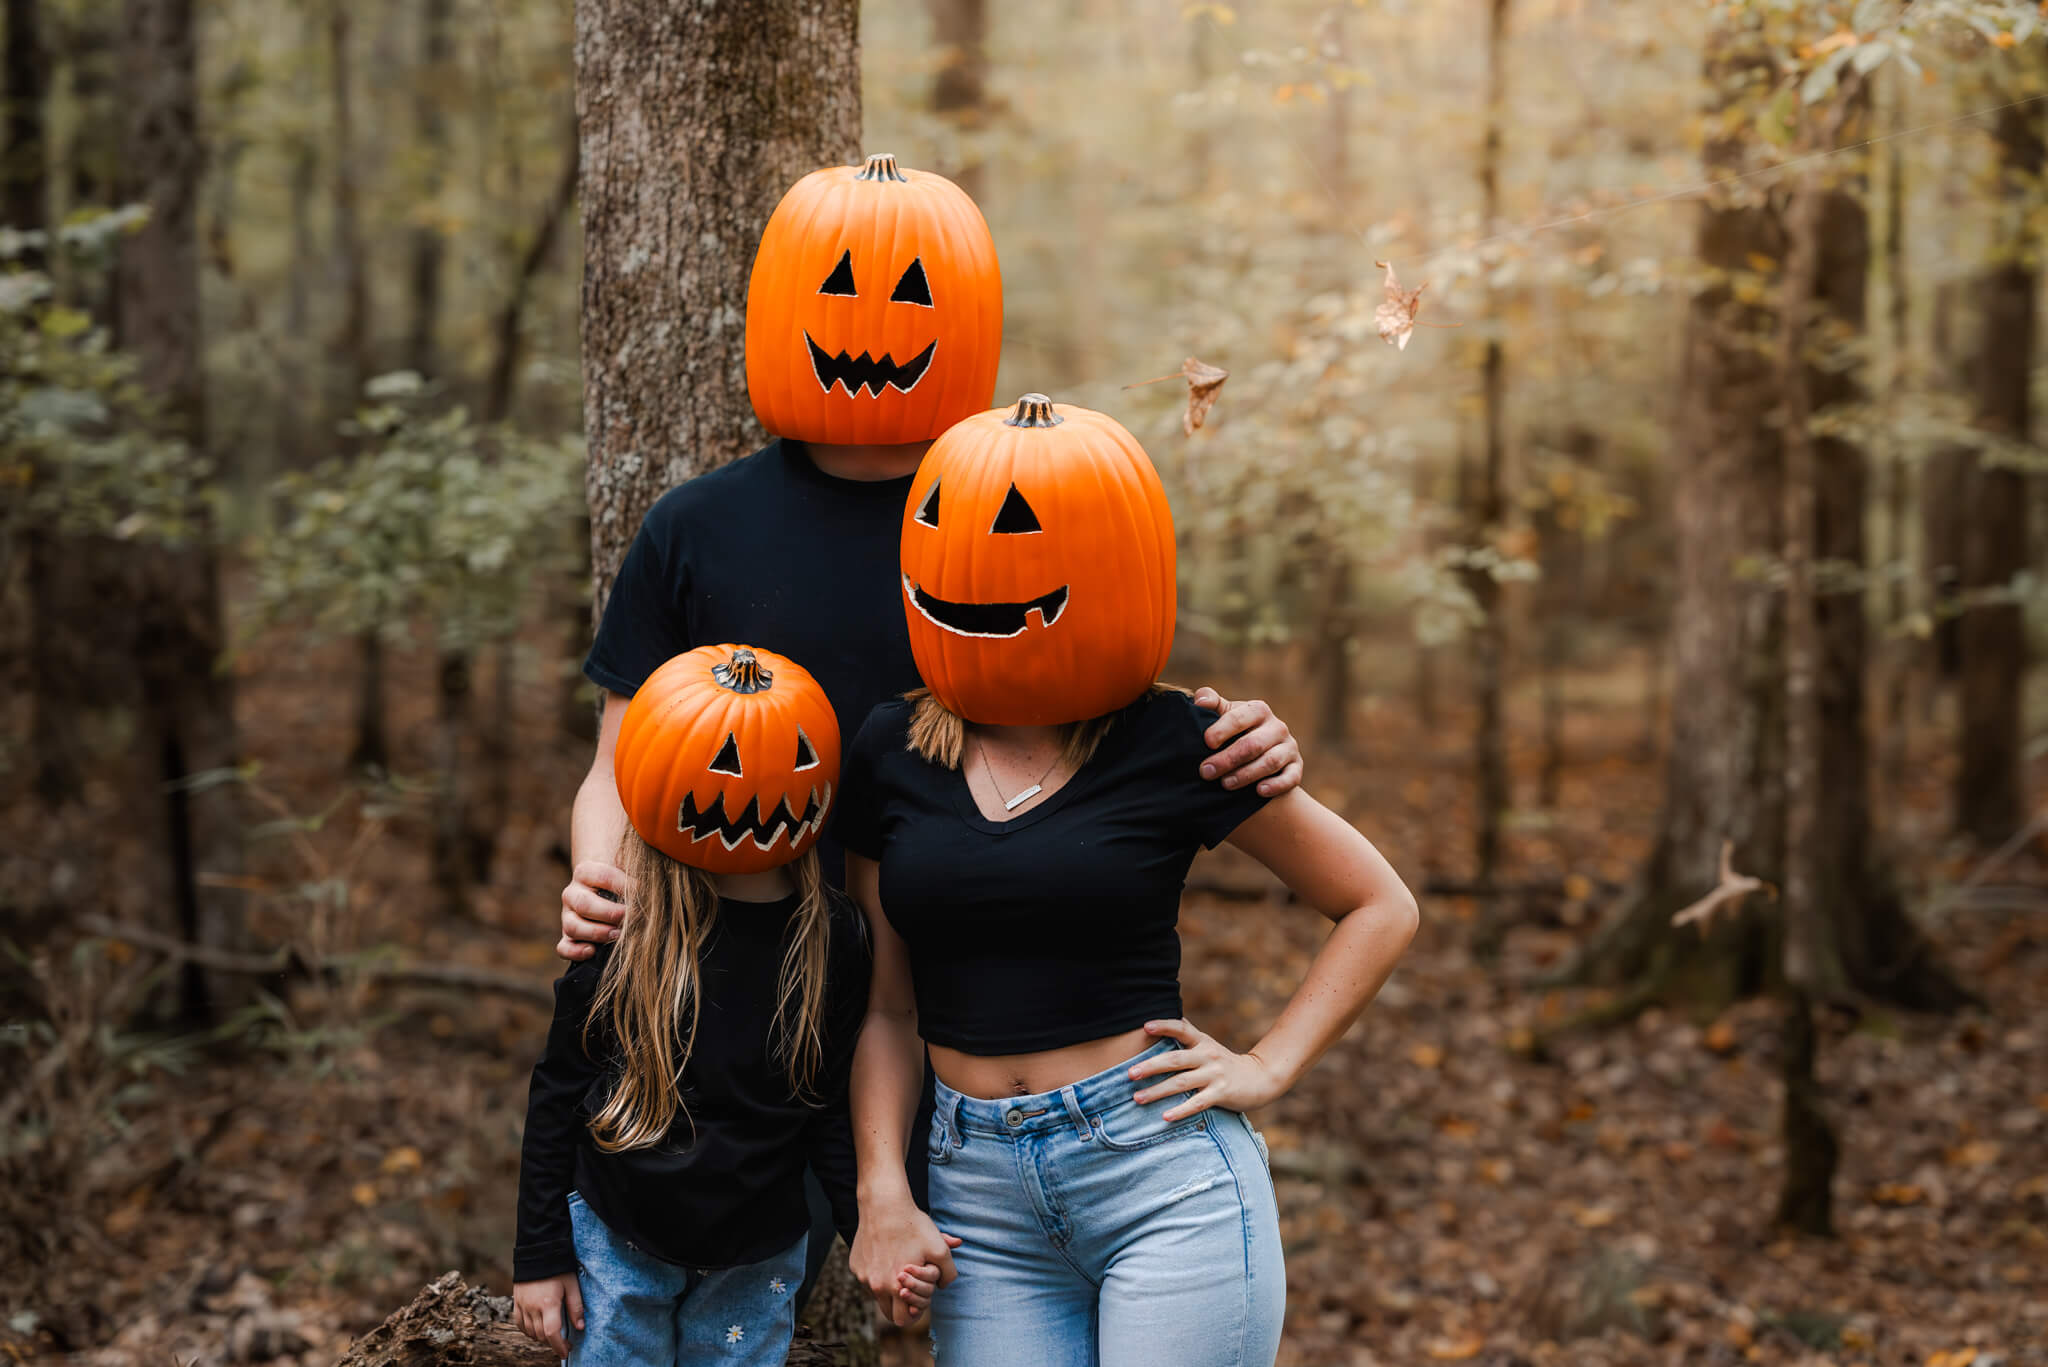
[795, 547]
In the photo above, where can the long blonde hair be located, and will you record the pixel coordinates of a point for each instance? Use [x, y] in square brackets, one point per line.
[939, 736]
[651, 991]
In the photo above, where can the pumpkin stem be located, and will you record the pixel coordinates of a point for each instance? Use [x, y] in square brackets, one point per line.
[1033, 410]
[881, 166]
[743, 673]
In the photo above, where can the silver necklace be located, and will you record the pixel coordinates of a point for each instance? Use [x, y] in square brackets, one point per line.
[1011, 804]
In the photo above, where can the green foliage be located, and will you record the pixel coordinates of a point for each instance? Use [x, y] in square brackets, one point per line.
[436, 519]
[79, 451]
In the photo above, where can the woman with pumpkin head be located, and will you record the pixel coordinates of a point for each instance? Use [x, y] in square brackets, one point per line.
[874, 322]
[699, 1062]
[1018, 833]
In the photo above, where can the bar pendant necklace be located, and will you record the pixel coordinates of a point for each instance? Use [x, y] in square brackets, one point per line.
[1011, 804]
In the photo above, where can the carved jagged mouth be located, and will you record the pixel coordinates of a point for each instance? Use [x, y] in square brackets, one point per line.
[855, 373]
[986, 619]
[765, 831]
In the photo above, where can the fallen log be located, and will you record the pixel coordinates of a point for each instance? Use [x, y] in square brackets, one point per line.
[453, 1324]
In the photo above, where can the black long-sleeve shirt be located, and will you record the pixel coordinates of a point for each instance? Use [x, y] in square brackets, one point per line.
[725, 1186]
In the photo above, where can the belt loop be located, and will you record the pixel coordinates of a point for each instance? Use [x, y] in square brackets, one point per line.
[1074, 1112]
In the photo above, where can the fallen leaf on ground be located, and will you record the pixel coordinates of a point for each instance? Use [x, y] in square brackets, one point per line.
[403, 1159]
[1425, 1056]
[1898, 1194]
[1456, 1349]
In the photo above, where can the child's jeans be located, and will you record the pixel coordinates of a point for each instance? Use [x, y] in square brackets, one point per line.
[1096, 1235]
[642, 1311]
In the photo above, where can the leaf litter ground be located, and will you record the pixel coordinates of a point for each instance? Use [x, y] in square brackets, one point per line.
[1444, 1197]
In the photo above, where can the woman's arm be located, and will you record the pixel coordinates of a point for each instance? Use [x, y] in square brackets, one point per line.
[888, 1073]
[1334, 869]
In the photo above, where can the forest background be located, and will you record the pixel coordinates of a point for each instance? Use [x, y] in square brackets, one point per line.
[1691, 542]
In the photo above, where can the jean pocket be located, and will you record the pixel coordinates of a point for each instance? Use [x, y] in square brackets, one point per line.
[1129, 1128]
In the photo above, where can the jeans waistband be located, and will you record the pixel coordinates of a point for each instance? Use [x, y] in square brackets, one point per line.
[1068, 1107]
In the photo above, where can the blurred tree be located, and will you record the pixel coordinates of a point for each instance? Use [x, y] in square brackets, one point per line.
[427, 247]
[1486, 500]
[1725, 780]
[694, 121]
[24, 172]
[1992, 640]
[187, 735]
[960, 89]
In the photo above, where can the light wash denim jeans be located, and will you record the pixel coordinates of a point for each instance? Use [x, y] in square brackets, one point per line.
[1098, 1236]
[643, 1312]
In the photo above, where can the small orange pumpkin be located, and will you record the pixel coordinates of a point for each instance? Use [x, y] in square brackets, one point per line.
[1038, 566]
[727, 758]
[875, 310]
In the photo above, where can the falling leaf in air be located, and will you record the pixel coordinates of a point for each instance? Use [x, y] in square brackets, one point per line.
[1204, 381]
[1729, 892]
[1396, 317]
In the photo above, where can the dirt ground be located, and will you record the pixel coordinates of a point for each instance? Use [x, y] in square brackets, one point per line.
[268, 1194]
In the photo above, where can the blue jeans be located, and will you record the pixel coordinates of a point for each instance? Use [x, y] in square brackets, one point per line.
[1095, 1235]
[642, 1311]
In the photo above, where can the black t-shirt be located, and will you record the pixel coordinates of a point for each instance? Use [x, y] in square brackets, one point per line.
[724, 1187]
[768, 551]
[1058, 925]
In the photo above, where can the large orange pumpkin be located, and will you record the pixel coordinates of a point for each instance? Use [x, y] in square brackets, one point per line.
[727, 758]
[1038, 566]
[875, 311]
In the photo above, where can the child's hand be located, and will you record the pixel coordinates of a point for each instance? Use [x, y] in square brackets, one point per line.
[538, 1308]
[916, 1284]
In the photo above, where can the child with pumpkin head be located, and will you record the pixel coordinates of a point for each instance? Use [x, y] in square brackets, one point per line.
[699, 1062]
[874, 323]
[1018, 834]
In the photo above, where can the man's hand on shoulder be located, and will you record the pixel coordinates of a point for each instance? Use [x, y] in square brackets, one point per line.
[593, 905]
[1263, 751]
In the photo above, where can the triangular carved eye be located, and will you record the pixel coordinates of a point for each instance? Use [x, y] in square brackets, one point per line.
[913, 288]
[806, 757]
[841, 279]
[928, 511]
[1015, 516]
[728, 760]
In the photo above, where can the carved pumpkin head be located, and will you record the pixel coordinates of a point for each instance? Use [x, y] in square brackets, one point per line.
[875, 312]
[727, 758]
[1038, 566]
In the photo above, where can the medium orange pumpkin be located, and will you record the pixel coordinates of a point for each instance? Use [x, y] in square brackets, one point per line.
[727, 758]
[1038, 566]
[875, 310]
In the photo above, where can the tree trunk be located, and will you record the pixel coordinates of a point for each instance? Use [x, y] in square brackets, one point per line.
[959, 90]
[188, 706]
[1334, 626]
[1489, 505]
[1725, 777]
[1991, 800]
[1903, 652]
[449, 848]
[372, 748]
[426, 247]
[25, 174]
[694, 120]
[504, 371]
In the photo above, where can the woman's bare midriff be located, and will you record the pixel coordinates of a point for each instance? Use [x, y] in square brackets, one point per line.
[991, 1076]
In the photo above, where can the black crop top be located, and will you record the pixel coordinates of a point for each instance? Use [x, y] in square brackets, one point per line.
[1057, 926]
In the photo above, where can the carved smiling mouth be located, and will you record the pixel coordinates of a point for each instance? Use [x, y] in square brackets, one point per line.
[702, 825]
[987, 619]
[857, 372]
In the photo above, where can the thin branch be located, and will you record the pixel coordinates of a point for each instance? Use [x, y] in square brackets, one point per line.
[1729, 892]
[286, 960]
